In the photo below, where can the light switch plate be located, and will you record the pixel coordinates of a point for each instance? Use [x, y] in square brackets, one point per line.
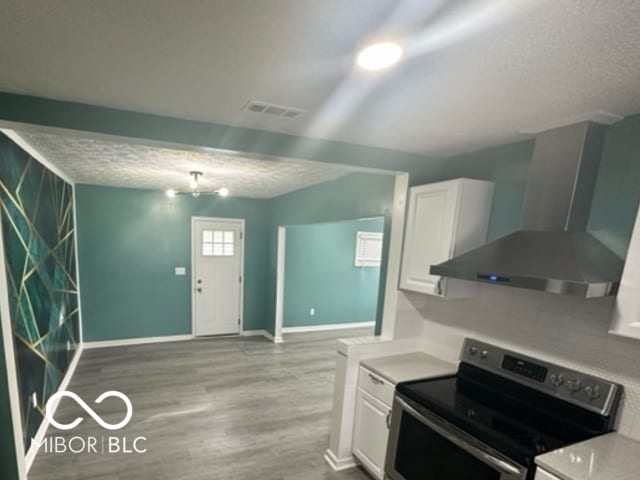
[181, 271]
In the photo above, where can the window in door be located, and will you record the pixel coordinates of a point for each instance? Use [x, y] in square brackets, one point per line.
[218, 243]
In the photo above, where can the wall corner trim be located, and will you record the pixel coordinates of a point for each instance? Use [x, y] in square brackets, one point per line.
[42, 431]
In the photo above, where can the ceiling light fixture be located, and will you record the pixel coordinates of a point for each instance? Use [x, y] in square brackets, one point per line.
[379, 56]
[194, 184]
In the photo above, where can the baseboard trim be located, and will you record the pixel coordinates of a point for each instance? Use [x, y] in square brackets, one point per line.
[321, 328]
[30, 456]
[137, 341]
[339, 464]
[261, 333]
[253, 333]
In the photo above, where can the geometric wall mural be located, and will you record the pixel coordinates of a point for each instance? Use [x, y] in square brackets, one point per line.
[36, 210]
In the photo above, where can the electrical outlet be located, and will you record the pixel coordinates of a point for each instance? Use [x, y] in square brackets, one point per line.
[312, 311]
[34, 399]
[68, 346]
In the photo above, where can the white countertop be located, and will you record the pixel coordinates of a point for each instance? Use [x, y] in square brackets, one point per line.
[408, 366]
[609, 457]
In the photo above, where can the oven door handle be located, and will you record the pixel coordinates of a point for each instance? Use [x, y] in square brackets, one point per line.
[497, 463]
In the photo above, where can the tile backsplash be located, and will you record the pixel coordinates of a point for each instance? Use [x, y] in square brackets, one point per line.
[565, 330]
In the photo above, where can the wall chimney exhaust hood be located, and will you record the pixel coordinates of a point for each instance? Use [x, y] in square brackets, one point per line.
[553, 252]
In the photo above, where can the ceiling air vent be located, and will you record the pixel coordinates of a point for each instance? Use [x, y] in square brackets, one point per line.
[274, 110]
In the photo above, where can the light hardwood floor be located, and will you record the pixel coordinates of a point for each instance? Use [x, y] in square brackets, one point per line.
[222, 409]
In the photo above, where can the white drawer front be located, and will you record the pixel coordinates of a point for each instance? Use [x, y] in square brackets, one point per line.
[371, 432]
[377, 386]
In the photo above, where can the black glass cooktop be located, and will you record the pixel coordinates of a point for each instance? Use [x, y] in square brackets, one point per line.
[514, 419]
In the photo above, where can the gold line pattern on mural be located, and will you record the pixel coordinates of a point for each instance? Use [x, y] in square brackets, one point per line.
[36, 209]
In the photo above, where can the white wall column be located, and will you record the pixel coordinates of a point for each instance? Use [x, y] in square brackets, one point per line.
[395, 255]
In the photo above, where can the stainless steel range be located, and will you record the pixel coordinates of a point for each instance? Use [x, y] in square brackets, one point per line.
[492, 418]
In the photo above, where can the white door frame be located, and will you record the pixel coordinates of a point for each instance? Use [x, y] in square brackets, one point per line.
[394, 258]
[282, 241]
[237, 221]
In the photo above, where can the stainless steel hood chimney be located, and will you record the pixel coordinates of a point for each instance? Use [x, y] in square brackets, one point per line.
[552, 252]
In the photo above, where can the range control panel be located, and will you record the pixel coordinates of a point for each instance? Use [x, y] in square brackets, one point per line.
[575, 387]
[526, 369]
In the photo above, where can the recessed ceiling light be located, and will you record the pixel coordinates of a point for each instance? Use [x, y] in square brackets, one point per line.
[223, 192]
[379, 56]
[170, 193]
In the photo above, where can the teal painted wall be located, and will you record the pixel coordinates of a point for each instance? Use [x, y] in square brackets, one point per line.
[320, 273]
[91, 118]
[129, 242]
[615, 201]
[507, 166]
[359, 195]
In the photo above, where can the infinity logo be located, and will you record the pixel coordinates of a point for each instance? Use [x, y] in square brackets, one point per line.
[56, 397]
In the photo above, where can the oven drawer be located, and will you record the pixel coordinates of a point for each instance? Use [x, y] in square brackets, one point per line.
[375, 385]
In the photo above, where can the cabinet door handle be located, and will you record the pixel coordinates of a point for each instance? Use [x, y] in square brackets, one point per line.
[439, 286]
[375, 380]
[389, 420]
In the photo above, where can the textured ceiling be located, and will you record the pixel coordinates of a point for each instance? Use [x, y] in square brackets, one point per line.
[104, 162]
[476, 72]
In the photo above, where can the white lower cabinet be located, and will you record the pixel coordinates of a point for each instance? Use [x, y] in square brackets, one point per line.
[371, 426]
[543, 475]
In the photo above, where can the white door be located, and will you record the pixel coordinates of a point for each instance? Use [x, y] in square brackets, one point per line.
[371, 429]
[429, 234]
[217, 281]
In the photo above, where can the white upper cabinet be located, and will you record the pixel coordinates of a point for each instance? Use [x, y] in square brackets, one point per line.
[626, 313]
[443, 220]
